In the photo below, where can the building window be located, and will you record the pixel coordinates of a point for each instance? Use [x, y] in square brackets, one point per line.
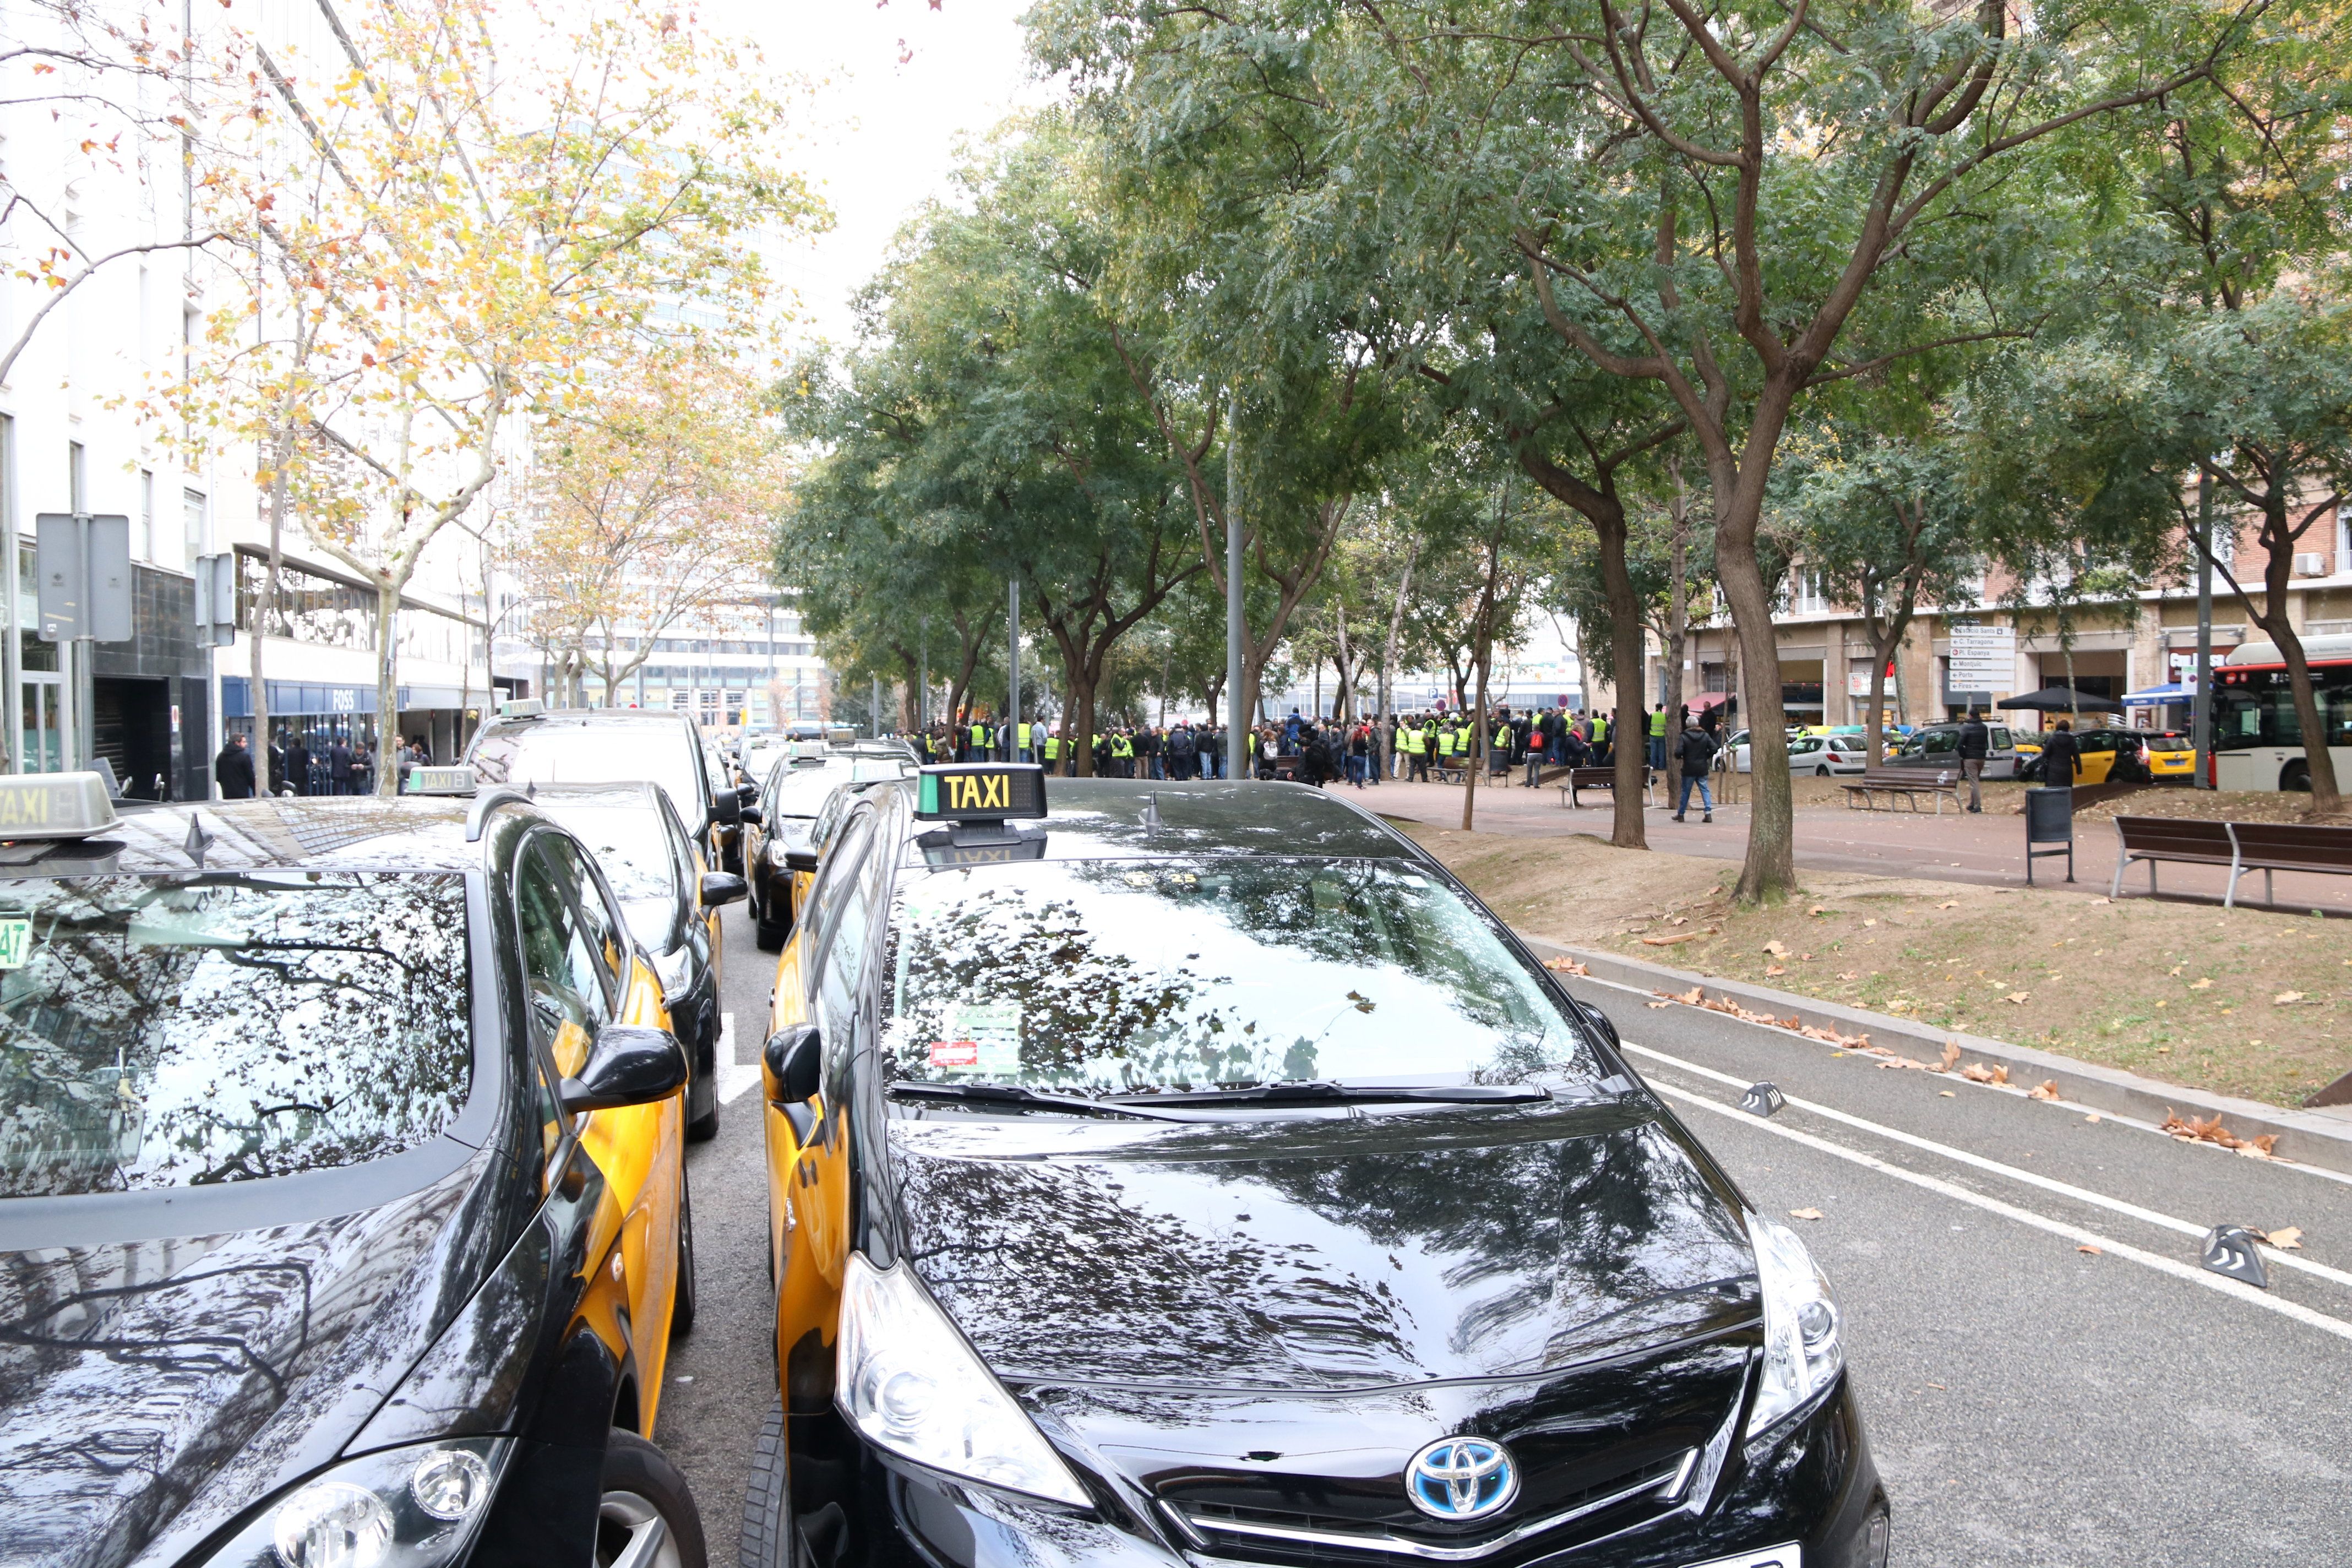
[192, 511]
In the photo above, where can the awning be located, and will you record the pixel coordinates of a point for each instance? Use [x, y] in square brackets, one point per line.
[1706, 700]
[2158, 696]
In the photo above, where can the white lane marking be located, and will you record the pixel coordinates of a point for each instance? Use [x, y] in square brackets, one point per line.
[2116, 1118]
[734, 1076]
[2031, 1178]
[2074, 1233]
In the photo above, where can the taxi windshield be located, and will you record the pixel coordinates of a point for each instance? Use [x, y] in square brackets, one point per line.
[800, 791]
[594, 753]
[1091, 976]
[170, 1033]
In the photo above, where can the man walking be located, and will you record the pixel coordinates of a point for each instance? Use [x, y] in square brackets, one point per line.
[1697, 756]
[339, 767]
[233, 770]
[1976, 740]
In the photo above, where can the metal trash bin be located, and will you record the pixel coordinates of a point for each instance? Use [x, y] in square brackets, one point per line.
[2049, 819]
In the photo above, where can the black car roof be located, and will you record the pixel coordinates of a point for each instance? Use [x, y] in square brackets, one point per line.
[586, 716]
[307, 834]
[1088, 819]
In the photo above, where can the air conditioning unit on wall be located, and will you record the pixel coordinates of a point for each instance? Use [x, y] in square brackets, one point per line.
[2310, 564]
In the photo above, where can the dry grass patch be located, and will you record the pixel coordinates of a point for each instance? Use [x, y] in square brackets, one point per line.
[2244, 1002]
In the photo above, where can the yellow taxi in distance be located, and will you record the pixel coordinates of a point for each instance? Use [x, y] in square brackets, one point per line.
[2113, 753]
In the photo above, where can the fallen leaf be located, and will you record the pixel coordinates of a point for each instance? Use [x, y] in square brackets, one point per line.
[1952, 1054]
[1778, 950]
[2092, 1119]
[1848, 975]
[1868, 924]
[2021, 997]
[1976, 1072]
[1672, 940]
[2176, 969]
[2286, 1238]
[1691, 998]
[1804, 957]
[1657, 1003]
[1949, 904]
[2086, 1246]
[1818, 909]
[1564, 964]
[2203, 982]
[2283, 997]
[1805, 1214]
[2046, 1090]
[1945, 1094]
[1773, 969]
[1679, 920]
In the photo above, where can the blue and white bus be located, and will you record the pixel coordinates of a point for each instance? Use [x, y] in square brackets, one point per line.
[2257, 741]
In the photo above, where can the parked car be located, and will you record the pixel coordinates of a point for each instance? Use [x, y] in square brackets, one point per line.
[782, 845]
[672, 905]
[613, 745]
[1808, 753]
[2115, 753]
[1937, 746]
[345, 1207]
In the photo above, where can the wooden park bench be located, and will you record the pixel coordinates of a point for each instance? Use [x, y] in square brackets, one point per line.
[1942, 784]
[1601, 778]
[2269, 848]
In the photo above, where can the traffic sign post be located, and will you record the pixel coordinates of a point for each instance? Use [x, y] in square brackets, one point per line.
[83, 562]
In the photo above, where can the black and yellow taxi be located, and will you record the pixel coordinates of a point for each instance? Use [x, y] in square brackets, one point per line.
[1171, 1173]
[672, 904]
[344, 1215]
[784, 839]
[2120, 754]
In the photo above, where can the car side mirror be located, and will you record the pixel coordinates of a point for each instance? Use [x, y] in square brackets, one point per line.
[794, 1059]
[727, 805]
[750, 813]
[628, 1065]
[721, 888]
[801, 859]
[1599, 1020]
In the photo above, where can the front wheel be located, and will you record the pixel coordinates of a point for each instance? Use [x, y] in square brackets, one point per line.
[1822, 772]
[646, 1517]
[769, 1537]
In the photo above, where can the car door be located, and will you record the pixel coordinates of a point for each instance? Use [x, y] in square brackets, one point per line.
[580, 976]
[818, 980]
[2097, 758]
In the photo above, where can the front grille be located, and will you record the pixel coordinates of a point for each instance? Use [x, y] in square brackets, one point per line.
[1235, 1530]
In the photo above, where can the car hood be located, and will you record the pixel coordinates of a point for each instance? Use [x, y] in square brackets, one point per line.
[154, 1388]
[1317, 1253]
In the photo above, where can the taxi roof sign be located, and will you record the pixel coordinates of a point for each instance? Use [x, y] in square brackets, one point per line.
[979, 792]
[457, 779]
[53, 805]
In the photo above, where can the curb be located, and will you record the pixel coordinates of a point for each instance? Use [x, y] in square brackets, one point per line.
[2321, 1138]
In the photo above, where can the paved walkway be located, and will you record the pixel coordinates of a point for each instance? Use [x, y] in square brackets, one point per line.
[1954, 847]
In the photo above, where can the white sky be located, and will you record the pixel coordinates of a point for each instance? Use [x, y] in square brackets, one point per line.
[885, 132]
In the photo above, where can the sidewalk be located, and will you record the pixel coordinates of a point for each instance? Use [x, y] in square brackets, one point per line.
[1953, 846]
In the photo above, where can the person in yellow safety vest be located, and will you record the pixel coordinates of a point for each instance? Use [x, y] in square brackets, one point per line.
[1500, 756]
[1122, 754]
[1053, 749]
[1416, 753]
[1025, 752]
[979, 740]
[1658, 738]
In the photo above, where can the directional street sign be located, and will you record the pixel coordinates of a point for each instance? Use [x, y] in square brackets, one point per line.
[83, 566]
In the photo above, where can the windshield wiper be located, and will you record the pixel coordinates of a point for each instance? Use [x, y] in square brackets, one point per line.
[1011, 1094]
[1320, 1092]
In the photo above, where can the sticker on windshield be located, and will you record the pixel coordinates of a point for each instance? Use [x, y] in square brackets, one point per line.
[15, 942]
[982, 1037]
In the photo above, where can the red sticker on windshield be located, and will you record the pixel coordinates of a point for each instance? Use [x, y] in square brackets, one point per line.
[955, 1053]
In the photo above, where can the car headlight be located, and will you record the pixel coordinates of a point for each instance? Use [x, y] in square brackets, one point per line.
[1802, 1352]
[906, 1379]
[416, 1507]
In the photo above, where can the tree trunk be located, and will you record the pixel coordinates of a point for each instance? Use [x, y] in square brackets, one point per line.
[1389, 646]
[1627, 830]
[1677, 627]
[1769, 871]
[387, 693]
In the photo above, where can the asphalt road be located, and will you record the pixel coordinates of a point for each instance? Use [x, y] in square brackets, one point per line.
[2031, 1403]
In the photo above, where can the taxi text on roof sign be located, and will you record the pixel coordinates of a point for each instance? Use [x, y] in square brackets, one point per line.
[981, 791]
[53, 805]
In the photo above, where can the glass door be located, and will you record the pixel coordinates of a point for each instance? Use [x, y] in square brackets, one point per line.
[41, 723]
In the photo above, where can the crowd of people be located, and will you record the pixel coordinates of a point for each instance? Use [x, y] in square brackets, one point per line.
[1435, 744]
[302, 762]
